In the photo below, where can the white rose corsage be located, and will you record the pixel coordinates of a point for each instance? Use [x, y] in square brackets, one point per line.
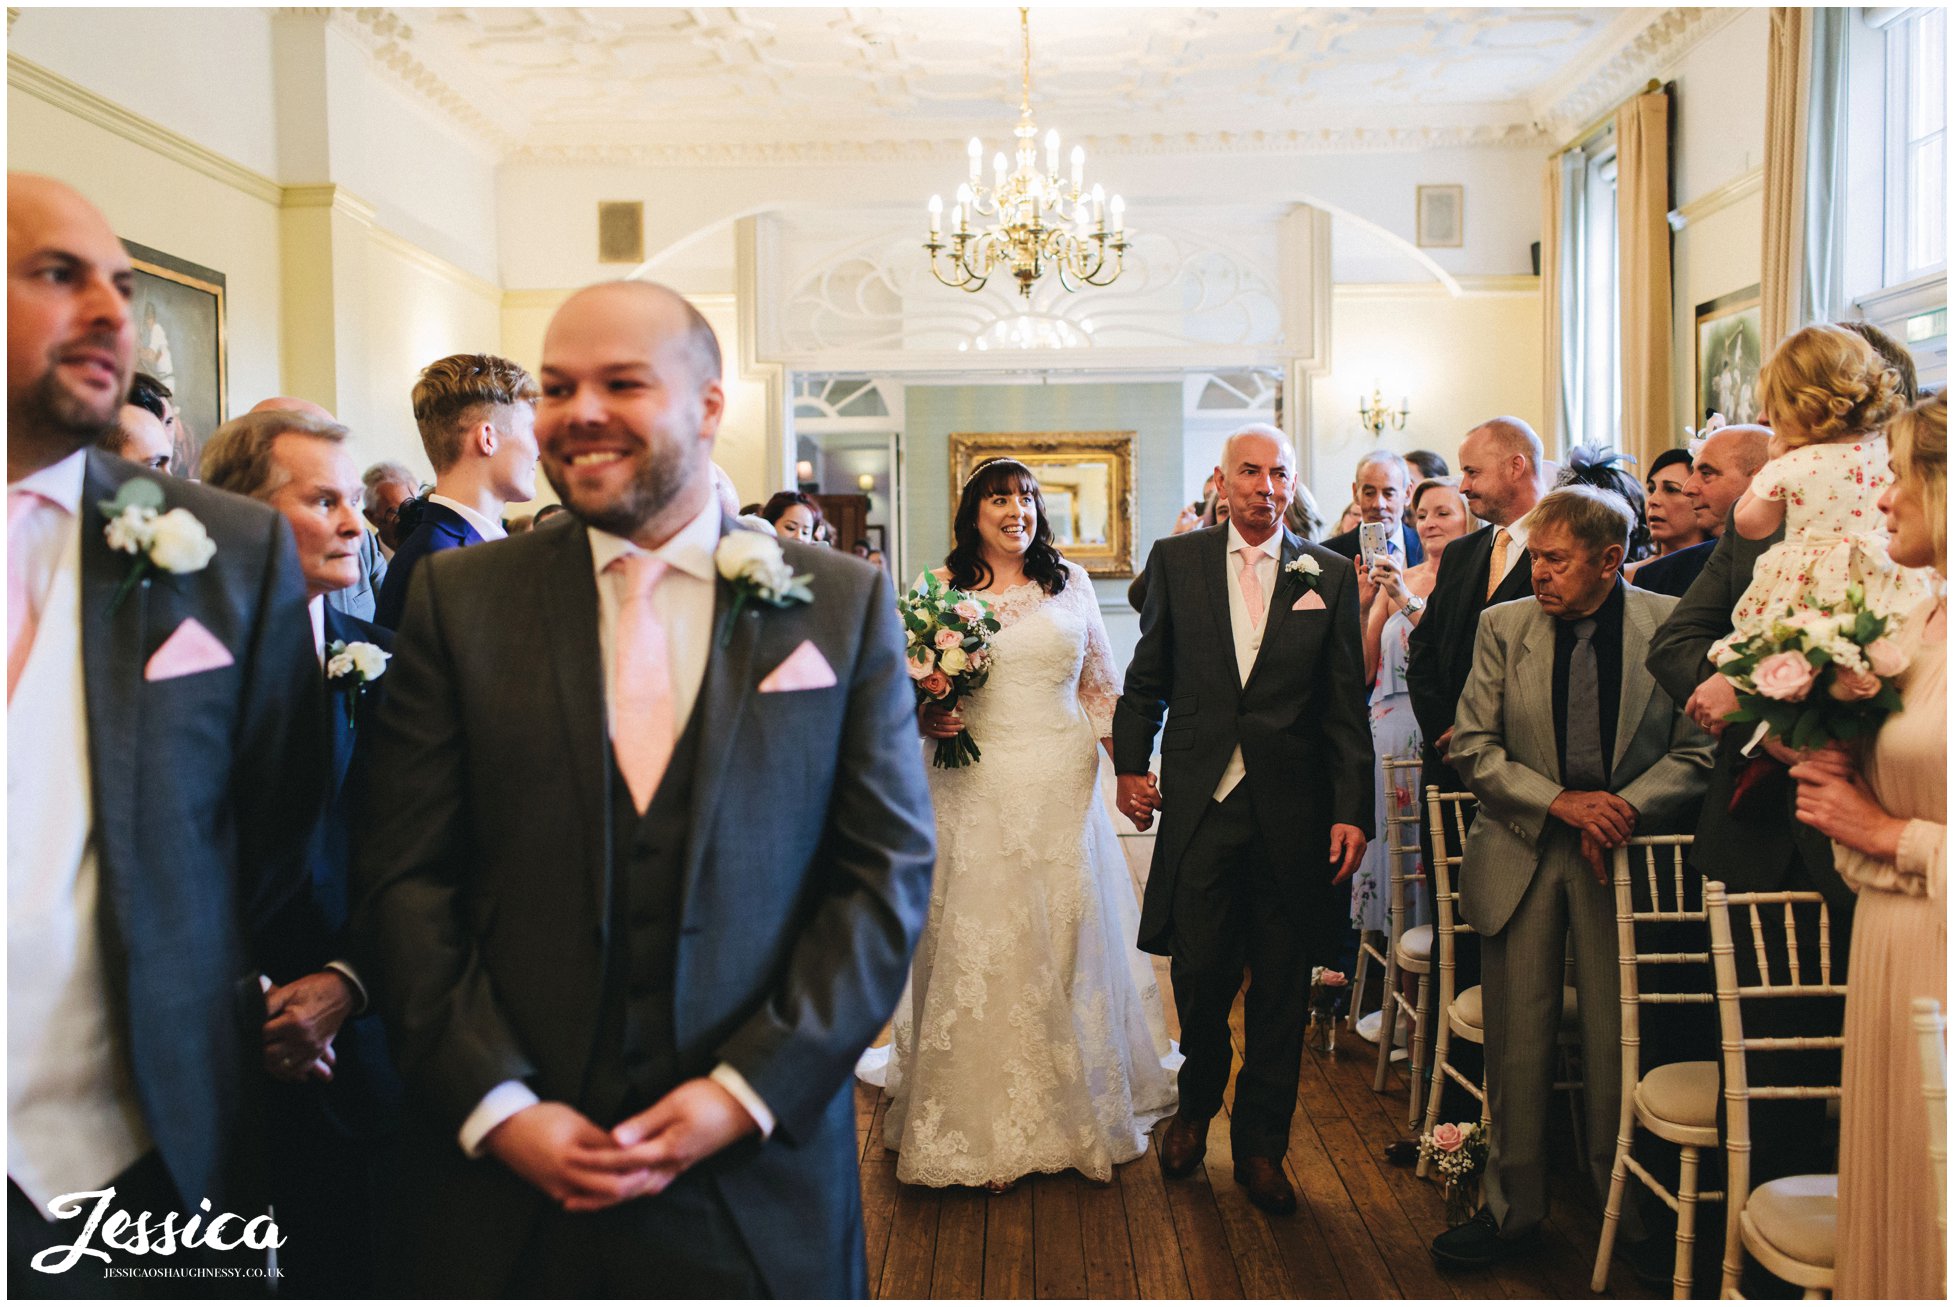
[756, 567]
[1307, 570]
[351, 667]
[167, 542]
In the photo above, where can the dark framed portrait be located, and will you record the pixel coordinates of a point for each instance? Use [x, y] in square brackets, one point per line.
[178, 307]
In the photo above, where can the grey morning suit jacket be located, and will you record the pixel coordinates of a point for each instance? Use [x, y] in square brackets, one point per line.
[1504, 747]
[483, 885]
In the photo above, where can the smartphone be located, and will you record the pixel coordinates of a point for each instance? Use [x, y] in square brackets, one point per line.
[1373, 538]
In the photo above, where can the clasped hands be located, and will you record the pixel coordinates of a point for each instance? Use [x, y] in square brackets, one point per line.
[1605, 821]
[584, 1168]
[1139, 800]
[1834, 800]
[302, 1020]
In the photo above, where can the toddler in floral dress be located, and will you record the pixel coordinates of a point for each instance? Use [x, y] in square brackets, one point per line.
[1828, 396]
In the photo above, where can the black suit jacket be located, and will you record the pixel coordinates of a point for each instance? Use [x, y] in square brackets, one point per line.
[1347, 545]
[1676, 573]
[1299, 719]
[1751, 855]
[363, 1098]
[1441, 643]
[482, 893]
[440, 528]
[206, 789]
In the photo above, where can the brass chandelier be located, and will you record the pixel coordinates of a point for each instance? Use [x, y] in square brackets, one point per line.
[1040, 220]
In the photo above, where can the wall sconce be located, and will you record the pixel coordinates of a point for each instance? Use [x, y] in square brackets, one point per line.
[803, 471]
[1376, 417]
[867, 483]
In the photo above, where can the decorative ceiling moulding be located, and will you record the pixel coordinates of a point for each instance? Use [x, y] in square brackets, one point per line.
[1351, 140]
[1663, 37]
[384, 36]
[70, 97]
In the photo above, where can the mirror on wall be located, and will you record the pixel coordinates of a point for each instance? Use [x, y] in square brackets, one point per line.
[1086, 478]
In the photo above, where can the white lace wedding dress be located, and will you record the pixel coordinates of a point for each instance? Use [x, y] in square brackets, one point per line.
[1031, 1038]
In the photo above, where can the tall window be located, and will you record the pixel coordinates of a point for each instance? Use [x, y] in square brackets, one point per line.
[1916, 146]
[1598, 414]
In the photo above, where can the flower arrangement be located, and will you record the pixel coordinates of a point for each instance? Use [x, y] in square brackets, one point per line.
[1817, 675]
[1458, 1153]
[756, 567]
[1308, 571]
[1326, 992]
[949, 637]
[166, 542]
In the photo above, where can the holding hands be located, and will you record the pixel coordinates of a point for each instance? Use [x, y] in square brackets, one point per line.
[1139, 798]
[586, 1169]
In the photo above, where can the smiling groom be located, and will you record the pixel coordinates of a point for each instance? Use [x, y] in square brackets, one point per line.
[655, 856]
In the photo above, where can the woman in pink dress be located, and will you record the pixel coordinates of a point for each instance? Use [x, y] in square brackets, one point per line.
[1885, 813]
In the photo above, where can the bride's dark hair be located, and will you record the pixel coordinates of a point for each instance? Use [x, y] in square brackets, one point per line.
[1042, 562]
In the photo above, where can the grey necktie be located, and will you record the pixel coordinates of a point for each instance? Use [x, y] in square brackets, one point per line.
[1586, 768]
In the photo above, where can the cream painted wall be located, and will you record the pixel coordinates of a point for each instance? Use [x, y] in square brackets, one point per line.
[1459, 361]
[742, 445]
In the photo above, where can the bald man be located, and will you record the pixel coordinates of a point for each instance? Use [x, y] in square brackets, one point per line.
[359, 599]
[629, 948]
[165, 754]
[1718, 476]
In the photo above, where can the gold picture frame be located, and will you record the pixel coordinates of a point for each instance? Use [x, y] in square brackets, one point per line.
[179, 312]
[1095, 470]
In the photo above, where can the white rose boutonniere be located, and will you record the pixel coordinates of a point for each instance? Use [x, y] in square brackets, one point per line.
[168, 542]
[351, 667]
[1307, 570]
[756, 567]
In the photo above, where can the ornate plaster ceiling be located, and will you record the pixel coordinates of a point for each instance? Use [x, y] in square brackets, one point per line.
[789, 83]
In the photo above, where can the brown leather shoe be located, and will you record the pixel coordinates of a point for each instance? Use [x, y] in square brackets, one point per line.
[1183, 1143]
[1268, 1188]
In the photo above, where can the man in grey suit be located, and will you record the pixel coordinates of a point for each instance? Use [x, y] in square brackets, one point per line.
[1570, 747]
[166, 768]
[649, 864]
[1249, 646]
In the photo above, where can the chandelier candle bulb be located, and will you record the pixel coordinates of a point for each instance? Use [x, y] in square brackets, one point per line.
[976, 161]
[1078, 169]
[936, 216]
[998, 164]
[1119, 216]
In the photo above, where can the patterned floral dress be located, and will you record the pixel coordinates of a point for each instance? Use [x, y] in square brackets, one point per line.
[1394, 732]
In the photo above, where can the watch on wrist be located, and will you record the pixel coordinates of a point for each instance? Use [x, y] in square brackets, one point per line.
[1413, 606]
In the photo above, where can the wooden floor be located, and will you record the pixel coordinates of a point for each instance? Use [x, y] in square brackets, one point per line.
[1362, 1228]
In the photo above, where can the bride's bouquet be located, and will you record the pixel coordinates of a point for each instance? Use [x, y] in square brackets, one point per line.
[1816, 675]
[949, 635]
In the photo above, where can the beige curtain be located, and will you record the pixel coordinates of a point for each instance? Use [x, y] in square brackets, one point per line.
[1786, 93]
[1552, 429]
[1648, 314]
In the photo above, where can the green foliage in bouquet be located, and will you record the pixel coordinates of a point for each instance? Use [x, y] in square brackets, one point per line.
[1818, 674]
[949, 649]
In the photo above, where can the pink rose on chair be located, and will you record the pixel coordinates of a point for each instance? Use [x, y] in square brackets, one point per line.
[1849, 686]
[1448, 1138]
[1786, 676]
[1885, 658]
[948, 639]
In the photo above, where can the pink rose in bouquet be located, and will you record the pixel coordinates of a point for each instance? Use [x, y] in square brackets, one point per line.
[1885, 658]
[935, 685]
[1784, 676]
[969, 609]
[948, 639]
[1850, 686]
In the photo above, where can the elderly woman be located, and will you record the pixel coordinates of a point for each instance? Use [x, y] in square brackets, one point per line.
[1885, 812]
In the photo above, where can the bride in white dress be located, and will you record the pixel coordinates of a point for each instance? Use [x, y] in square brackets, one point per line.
[1031, 1039]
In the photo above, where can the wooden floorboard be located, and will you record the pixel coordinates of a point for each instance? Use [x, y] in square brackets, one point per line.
[1363, 1226]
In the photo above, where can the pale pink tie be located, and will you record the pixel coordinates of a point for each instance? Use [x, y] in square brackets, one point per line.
[24, 508]
[1252, 587]
[643, 729]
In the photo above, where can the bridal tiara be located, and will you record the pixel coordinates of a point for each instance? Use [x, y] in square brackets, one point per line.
[993, 462]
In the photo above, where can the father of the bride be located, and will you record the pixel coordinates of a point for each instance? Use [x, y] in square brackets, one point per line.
[630, 922]
[1249, 643]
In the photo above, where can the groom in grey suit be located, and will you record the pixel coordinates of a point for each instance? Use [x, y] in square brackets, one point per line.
[1571, 748]
[648, 865]
[1249, 645]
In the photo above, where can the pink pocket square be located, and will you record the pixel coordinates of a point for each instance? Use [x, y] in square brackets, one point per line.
[1310, 602]
[804, 669]
[189, 650]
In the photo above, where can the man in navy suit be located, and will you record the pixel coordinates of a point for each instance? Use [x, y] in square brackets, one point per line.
[1381, 492]
[165, 756]
[477, 415]
[337, 1104]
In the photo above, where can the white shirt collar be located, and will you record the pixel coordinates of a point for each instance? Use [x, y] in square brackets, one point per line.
[316, 607]
[60, 482]
[1272, 546]
[1517, 532]
[689, 551]
[484, 528]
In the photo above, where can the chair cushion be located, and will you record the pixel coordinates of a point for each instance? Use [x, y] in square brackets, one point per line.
[1470, 1008]
[1416, 944]
[1798, 1216]
[1682, 1092]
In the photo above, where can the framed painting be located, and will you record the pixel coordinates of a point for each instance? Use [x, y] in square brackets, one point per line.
[1441, 217]
[1729, 353]
[178, 308]
[1086, 479]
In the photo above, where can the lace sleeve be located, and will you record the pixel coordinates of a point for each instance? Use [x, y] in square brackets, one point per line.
[1099, 680]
